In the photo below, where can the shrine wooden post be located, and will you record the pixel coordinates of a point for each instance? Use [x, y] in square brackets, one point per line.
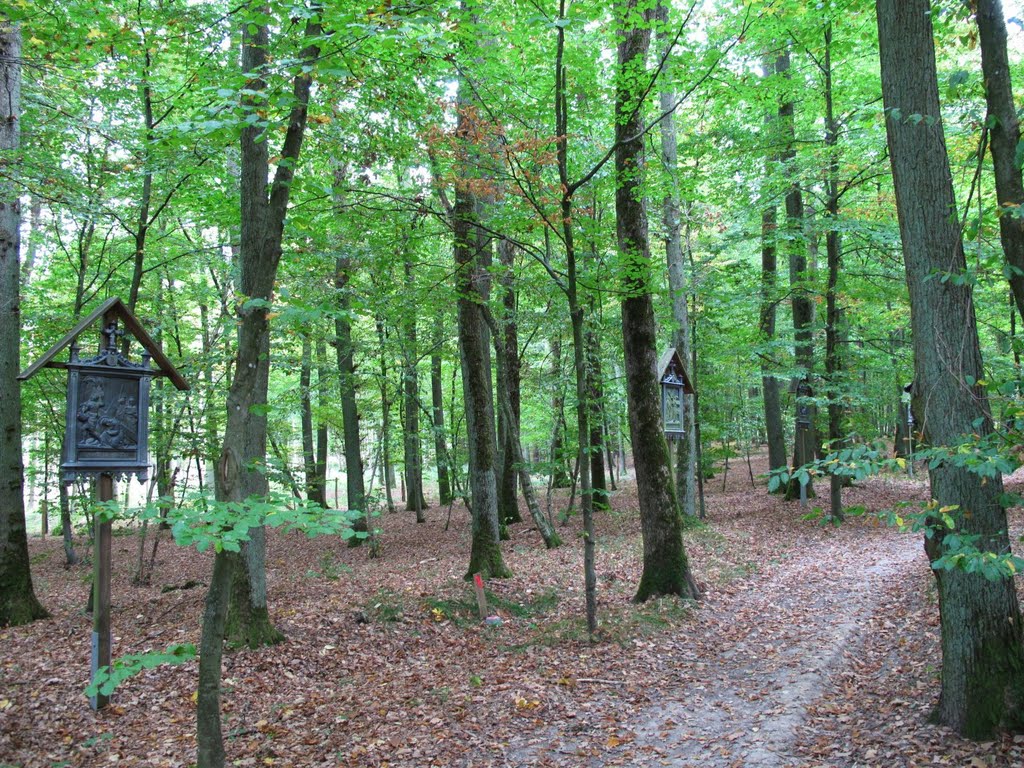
[101, 568]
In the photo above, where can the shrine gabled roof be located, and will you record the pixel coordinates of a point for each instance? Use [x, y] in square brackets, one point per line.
[116, 307]
[667, 357]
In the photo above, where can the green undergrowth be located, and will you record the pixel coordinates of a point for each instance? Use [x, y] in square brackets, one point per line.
[463, 610]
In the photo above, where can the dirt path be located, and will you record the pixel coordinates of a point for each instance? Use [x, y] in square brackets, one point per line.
[782, 638]
[736, 691]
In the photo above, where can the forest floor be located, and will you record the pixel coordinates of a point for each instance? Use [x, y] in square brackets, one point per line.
[812, 646]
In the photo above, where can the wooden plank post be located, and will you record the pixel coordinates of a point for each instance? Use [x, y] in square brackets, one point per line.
[101, 566]
[481, 599]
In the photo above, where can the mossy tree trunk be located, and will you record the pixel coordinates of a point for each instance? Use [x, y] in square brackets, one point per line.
[471, 250]
[666, 569]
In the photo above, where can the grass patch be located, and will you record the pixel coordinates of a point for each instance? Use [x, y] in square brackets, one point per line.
[463, 611]
[328, 568]
[36, 559]
[570, 629]
[385, 606]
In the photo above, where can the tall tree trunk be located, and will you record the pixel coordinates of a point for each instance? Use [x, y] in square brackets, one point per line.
[1004, 132]
[315, 490]
[559, 460]
[67, 532]
[354, 490]
[833, 249]
[413, 450]
[471, 247]
[509, 380]
[799, 276]
[144, 222]
[441, 456]
[387, 470]
[982, 653]
[263, 213]
[544, 527]
[666, 569]
[595, 417]
[210, 753]
[686, 476]
[576, 317]
[323, 401]
[344, 347]
[18, 603]
[774, 431]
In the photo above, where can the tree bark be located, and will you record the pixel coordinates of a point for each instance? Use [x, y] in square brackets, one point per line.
[441, 456]
[354, 489]
[833, 249]
[67, 531]
[18, 603]
[1004, 138]
[686, 475]
[799, 276]
[315, 490]
[321, 429]
[387, 470]
[413, 451]
[559, 460]
[547, 532]
[666, 570]
[595, 417]
[471, 280]
[982, 656]
[344, 347]
[509, 380]
[263, 214]
[576, 317]
[774, 431]
[209, 737]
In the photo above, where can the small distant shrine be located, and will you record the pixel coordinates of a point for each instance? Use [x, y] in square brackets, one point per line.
[674, 385]
[106, 432]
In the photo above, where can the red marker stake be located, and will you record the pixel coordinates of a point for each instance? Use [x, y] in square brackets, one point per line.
[481, 600]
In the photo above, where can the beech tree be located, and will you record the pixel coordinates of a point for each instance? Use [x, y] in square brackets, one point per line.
[1003, 128]
[18, 603]
[472, 246]
[982, 652]
[666, 567]
[686, 472]
[263, 212]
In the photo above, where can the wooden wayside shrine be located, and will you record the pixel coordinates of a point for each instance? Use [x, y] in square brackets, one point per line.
[675, 383]
[107, 432]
